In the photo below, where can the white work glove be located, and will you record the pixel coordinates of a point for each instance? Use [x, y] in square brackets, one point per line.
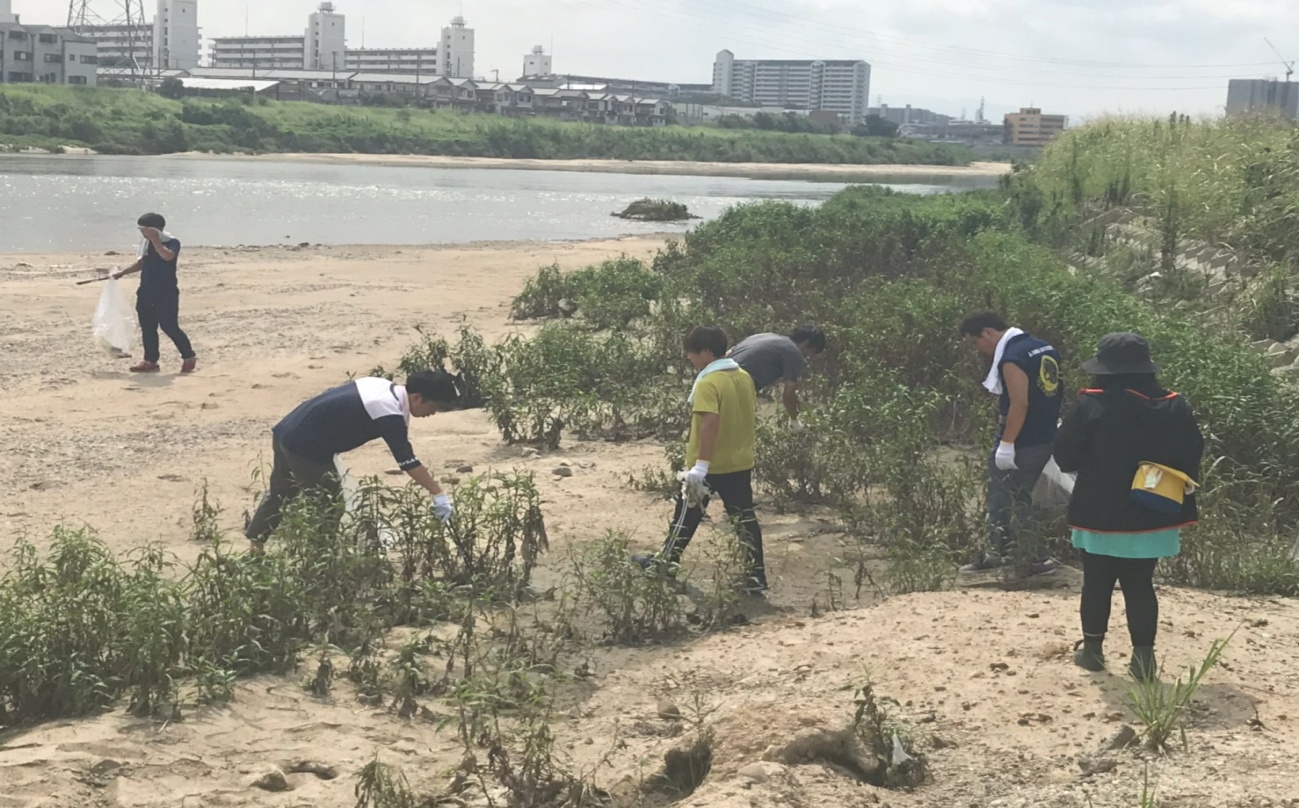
[698, 474]
[1005, 456]
[796, 425]
[442, 508]
[694, 485]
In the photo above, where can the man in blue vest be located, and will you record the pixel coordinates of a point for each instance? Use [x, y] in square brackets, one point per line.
[1025, 376]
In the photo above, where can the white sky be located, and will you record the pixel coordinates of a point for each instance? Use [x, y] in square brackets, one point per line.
[1078, 57]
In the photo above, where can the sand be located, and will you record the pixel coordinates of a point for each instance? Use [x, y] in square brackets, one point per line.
[975, 172]
[982, 677]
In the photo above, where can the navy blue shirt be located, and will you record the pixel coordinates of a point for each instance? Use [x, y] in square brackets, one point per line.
[156, 275]
[347, 417]
[1041, 364]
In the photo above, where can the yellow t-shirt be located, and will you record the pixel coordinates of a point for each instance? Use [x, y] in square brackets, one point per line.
[730, 394]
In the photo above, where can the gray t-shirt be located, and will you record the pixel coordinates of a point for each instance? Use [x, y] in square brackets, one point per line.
[769, 358]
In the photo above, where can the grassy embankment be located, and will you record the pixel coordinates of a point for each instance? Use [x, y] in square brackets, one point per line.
[119, 121]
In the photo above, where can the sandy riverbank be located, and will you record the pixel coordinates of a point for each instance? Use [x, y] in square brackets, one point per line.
[975, 172]
[982, 678]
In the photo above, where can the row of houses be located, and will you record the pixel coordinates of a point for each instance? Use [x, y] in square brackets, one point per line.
[592, 105]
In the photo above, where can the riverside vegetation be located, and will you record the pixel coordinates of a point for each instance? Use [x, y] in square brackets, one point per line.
[897, 426]
[122, 121]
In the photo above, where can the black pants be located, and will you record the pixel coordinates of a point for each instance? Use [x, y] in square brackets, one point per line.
[736, 493]
[290, 475]
[1100, 573]
[161, 310]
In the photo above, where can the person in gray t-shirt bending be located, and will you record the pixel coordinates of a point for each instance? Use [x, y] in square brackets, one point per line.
[770, 358]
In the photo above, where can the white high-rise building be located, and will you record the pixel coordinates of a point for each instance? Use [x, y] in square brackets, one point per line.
[176, 40]
[834, 85]
[457, 50]
[326, 40]
[538, 63]
[6, 12]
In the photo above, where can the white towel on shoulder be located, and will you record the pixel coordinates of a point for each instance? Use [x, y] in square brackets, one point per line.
[713, 367]
[993, 382]
[143, 249]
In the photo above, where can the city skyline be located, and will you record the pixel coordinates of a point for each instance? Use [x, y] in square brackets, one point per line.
[1083, 59]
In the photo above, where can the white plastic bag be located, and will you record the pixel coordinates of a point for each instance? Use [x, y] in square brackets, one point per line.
[1053, 488]
[352, 501]
[114, 327]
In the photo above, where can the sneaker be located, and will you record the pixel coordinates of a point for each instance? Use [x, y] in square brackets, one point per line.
[189, 365]
[145, 367]
[990, 561]
[1048, 567]
[651, 563]
[753, 588]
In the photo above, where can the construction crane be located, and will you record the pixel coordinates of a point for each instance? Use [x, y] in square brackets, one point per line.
[1289, 66]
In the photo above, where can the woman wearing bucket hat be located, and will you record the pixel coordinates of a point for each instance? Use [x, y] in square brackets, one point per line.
[1136, 449]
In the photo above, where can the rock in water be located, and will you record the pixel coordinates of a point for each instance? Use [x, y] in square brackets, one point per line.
[656, 210]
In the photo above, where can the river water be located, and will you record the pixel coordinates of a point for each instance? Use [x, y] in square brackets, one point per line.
[58, 203]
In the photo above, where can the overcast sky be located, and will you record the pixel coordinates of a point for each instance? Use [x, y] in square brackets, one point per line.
[1081, 58]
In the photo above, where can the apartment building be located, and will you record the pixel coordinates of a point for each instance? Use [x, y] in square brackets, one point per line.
[45, 55]
[418, 61]
[1029, 127]
[6, 12]
[257, 53]
[833, 85]
[1262, 96]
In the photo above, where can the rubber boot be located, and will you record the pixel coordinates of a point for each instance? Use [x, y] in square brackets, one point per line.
[1088, 655]
[1143, 666]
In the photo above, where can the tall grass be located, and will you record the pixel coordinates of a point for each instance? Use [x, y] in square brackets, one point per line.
[1233, 180]
[122, 121]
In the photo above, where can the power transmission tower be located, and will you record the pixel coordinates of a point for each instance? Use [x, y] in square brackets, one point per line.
[121, 22]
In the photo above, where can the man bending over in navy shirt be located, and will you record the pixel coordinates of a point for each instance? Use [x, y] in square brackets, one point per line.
[342, 419]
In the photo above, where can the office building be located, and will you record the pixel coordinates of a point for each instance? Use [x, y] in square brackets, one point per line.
[1263, 96]
[1029, 127]
[457, 50]
[175, 38]
[326, 39]
[418, 61]
[832, 85]
[45, 55]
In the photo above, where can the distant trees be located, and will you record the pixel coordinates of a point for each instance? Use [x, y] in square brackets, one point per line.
[875, 126]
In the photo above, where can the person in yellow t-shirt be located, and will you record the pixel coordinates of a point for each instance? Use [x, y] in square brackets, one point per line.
[719, 455]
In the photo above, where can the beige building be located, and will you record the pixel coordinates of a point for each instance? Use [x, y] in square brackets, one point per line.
[1029, 127]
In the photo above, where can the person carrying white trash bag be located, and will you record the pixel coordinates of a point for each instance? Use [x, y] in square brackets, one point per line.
[158, 300]
[308, 440]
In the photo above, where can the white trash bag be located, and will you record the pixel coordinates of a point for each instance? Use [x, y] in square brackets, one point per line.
[352, 501]
[1053, 488]
[114, 327]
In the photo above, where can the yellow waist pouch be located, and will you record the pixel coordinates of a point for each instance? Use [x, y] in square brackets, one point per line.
[1161, 488]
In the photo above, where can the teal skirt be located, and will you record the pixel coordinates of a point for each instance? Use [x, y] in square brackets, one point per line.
[1157, 544]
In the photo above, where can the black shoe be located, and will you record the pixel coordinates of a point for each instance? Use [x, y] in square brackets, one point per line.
[989, 562]
[1088, 654]
[1143, 666]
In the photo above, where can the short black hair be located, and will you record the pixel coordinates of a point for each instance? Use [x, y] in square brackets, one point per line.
[707, 338]
[153, 220]
[973, 325]
[437, 386]
[813, 336]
